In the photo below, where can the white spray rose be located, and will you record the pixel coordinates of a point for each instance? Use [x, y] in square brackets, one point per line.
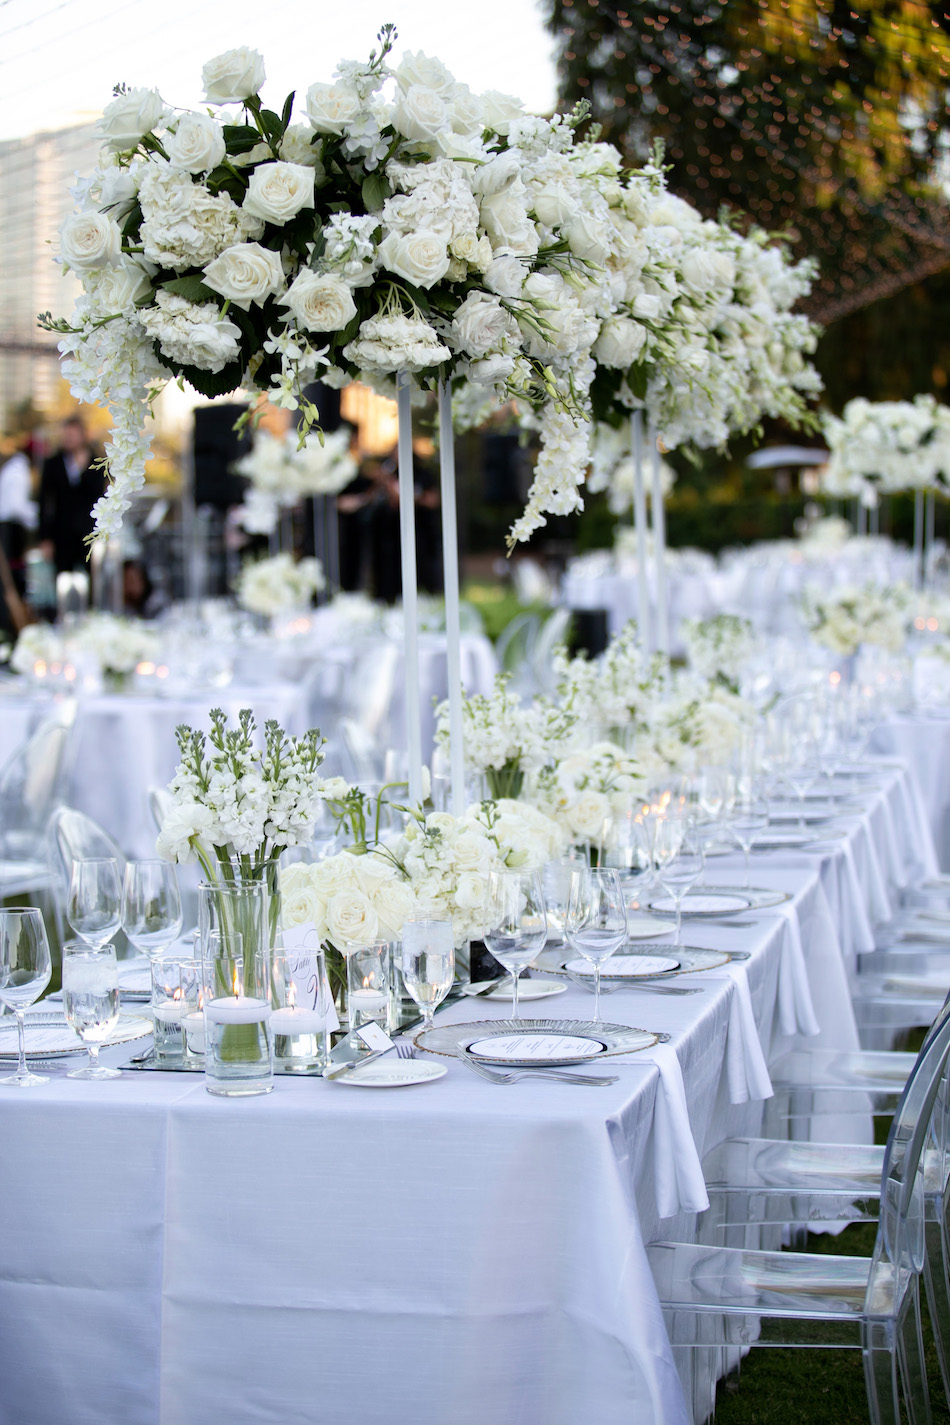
[231, 77]
[197, 145]
[331, 107]
[278, 191]
[320, 303]
[245, 273]
[492, 370]
[507, 223]
[90, 240]
[505, 275]
[555, 205]
[129, 117]
[588, 238]
[481, 324]
[647, 307]
[421, 257]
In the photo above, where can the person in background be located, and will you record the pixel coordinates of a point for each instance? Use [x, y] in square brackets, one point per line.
[70, 485]
[18, 512]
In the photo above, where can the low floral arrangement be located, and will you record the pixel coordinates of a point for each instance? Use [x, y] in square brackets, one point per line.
[582, 791]
[614, 692]
[844, 618]
[275, 585]
[881, 447]
[114, 646]
[504, 739]
[285, 469]
[719, 648]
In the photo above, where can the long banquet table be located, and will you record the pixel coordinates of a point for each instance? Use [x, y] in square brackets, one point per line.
[454, 1252]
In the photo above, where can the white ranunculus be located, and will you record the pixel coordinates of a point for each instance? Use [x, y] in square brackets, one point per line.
[331, 107]
[245, 273]
[120, 288]
[420, 113]
[129, 117]
[471, 891]
[420, 257]
[481, 324]
[197, 145]
[588, 239]
[232, 77]
[505, 275]
[499, 110]
[320, 303]
[276, 192]
[555, 205]
[418, 69]
[90, 240]
[620, 342]
[351, 920]
[493, 370]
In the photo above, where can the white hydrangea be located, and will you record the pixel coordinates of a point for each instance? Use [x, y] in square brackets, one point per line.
[184, 224]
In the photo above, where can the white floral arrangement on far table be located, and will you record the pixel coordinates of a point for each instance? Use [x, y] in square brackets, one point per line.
[278, 584]
[844, 618]
[881, 447]
[503, 738]
[285, 469]
[114, 645]
[720, 648]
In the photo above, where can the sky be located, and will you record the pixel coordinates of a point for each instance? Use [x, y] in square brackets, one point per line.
[59, 59]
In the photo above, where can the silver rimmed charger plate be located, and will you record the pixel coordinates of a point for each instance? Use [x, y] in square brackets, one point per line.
[690, 960]
[50, 1037]
[759, 897]
[600, 1040]
[794, 839]
[709, 902]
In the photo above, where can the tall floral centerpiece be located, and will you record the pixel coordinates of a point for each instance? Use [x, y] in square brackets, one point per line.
[285, 469]
[276, 585]
[881, 447]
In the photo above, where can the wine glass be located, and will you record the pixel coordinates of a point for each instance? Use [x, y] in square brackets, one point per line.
[556, 885]
[428, 963]
[151, 906]
[517, 923]
[596, 922]
[25, 969]
[93, 907]
[682, 869]
[749, 816]
[91, 1001]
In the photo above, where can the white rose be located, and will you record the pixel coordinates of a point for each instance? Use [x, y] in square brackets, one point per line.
[465, 111]
[129, 117]
[276, 192]
[471, 891]
[481, 324]
[331, 107]
[197, 145]
[588, 239]
[554, 205]
[394, 904]
[418, 69]
[294, 876]
[303, 906]
[498, 173]
[471, 852]
[90, 240]
[421, 257]
[232, 77]
[121, 287]
[336, 873]
[500, 110]
[647, 306]
[620, 342]
[589, 813]
[320, 303]
[245, 273]
[420, 113]
[214, 344]
[118, 189]
[507, 223]
[505, 275]
[351, 920]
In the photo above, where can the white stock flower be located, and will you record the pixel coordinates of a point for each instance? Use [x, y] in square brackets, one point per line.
[420, 257]
[90, 240]
[276, 192]
[234, 76]
[245, 273]
[320, 303]
[129, 117]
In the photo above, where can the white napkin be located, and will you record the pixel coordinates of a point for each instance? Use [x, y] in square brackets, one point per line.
[677, 1170]
[795, 1007]
[745, 1062]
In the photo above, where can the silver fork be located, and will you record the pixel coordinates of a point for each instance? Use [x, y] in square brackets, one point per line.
[405, 1049]
[511, 1076]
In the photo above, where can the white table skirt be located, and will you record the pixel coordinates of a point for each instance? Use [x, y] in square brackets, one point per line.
[924, 743]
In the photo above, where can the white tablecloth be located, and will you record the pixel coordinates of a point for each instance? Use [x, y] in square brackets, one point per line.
[924, 743]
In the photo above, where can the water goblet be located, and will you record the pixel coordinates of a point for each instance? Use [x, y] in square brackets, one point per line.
[556, 885]
[151, 906]
[25, 969]
[683, 868]
[91, 1001]
[517, 923]
[748, 817]
[93, 906]
[428, 963]
[596, 922]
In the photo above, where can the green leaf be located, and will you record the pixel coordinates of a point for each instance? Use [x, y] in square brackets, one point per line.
[287, 110]
[240, 138]
[132, 222]
[272, 125]
[375, 190]
[192, 289]
[637, 379]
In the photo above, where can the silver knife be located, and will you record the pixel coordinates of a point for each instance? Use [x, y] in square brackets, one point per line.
[487, 987]
[339, 1069]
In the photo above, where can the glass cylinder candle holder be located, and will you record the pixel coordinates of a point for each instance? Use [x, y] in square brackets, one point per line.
[175, 987]
[301, 1004]
[369, 985]
[237, 1009]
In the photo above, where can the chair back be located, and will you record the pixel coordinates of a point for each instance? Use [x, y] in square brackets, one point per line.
[160, 802]
[900, 1239]
[74, 836]
[32, 781]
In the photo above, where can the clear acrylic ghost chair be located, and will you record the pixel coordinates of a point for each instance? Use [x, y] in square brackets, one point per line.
[73, 835]
[720, 1296]
[364, 758]
[758, 1183]
[899, 989]
[32, 781]
[553, 632]
[514, 648]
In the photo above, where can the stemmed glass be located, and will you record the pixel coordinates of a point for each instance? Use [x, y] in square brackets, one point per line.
[91, 1001]
[556, 885]
[25, 969]
[428, 963]
[517, 923]
[596, 921]
[749, 816]
[151, 906]
[93, 907]
[683, 860]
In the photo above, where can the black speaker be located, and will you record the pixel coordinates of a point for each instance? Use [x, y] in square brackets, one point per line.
[327, 402]
[590, 631]
[217, 446]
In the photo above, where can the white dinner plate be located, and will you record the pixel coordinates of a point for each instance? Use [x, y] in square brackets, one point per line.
[392, 1074]
[703, 903]
[627, 967]
[646, 927]
[51, 1037]
[527, 989]
[534, 1042]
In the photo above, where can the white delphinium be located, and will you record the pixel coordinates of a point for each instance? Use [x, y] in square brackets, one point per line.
[271, 586]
